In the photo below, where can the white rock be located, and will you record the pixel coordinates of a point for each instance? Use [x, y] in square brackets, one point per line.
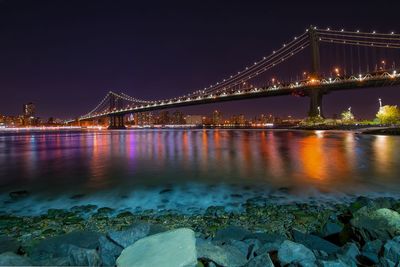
[176, 248]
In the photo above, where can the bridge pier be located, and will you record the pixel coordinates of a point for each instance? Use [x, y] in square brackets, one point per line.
[315, 103]
[116, 122]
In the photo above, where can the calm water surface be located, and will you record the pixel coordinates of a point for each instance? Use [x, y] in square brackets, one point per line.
[183, 169]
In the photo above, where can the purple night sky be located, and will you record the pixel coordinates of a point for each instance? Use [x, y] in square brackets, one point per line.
[66, 55]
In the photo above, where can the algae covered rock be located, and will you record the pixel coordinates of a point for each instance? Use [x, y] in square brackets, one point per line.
[373, 224]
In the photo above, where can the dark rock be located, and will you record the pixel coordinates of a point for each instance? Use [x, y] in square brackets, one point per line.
[391, 251]
[373, 246]
[19, 194]
[268, 247]
[105, 210]
[77, 196]
[331, 228]
[109, 251]
[368, 258]
[12, 259]
[167, 190]
[8, 244]
[374, 224]
[262, 260]
[314, 242]
[231, 232]
[125, 214]
[349, 253]
[253, 246]
[83, 257]
[267, 237]
[222, 255]
[84, 208]
[294, 253]
[57, 246]
[386, 263]
[215, 211]
[332, 263]
[129, 236]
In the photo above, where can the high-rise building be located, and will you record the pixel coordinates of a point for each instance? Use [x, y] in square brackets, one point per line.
[194, 119]
[177, 117]
[216, 117]
[29, 109]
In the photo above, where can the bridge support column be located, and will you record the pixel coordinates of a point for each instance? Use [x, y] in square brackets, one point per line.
[116, 122]
[315, 103]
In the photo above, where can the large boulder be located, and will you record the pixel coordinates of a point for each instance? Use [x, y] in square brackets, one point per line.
[392, 251]
[133, 233]
[262, 260]
[58, 247]
[8, 244]
[109, 251]
[169, 249]
[83, 257]
[294, 253]
[12, 259]
[374, 224]
[224, 255]
[314, 242]
[231, 232]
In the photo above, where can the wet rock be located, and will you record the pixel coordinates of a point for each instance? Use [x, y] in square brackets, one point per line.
[105, 210]
[262, 260]
[15, 195]
[268, 247]
[215, 211]
[349, 253]
[376, 224]
[226, 255]
[331, 228]
[373, 246]
[314, 242]
[231, 232]
[294, 253]
[169, 249]
[84, 208]
[109, 251]
[332, 263]
[8, 244]
[135, 232]
[58, 246]
[267, 237]
[129, 236]
[253, 246]
[60, 261]
[12, 259]
[391, 251]
[370, 252]
[83, 257]
[386, 263]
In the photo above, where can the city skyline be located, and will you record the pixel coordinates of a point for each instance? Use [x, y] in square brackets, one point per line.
[114, 52]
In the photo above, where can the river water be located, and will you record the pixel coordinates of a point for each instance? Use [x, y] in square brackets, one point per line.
[187, 170]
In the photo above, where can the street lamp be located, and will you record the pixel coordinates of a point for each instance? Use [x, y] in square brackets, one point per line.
[380, 103]
[319, 111]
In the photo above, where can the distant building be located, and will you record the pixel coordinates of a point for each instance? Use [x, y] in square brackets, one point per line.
[164, 118]
[177, 118]
[194, 119]
[29, 110]
[216, 117]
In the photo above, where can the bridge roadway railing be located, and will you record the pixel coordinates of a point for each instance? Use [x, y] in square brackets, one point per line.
[301, 88]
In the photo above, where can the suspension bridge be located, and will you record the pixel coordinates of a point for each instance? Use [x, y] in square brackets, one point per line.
[320, 61]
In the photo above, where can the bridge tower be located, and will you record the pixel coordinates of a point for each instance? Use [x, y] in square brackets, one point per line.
[117, 120]
[315, 94]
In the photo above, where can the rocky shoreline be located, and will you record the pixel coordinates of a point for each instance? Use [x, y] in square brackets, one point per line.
[365, 232]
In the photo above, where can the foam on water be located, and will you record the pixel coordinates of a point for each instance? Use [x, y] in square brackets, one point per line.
[188, 199]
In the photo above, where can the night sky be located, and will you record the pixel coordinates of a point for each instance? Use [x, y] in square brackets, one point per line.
[66, 55]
